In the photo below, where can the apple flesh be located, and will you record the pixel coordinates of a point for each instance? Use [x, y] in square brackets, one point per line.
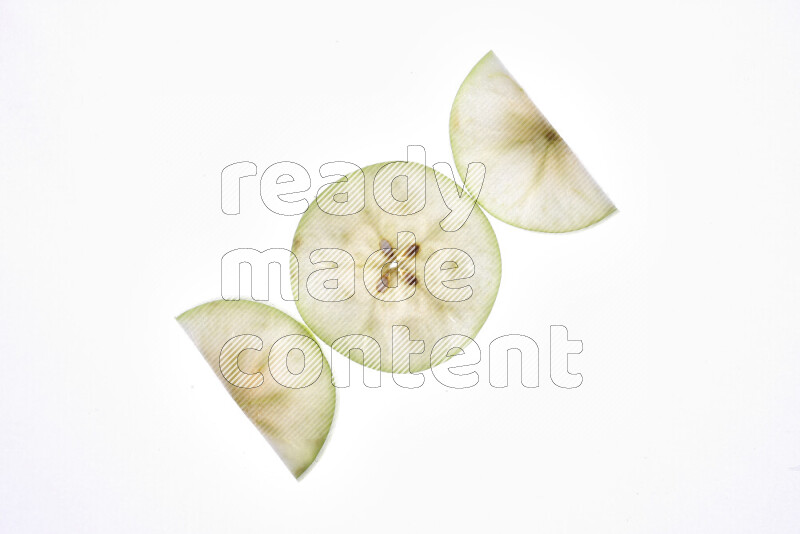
[533, 180]
[275, 371]
[416, 254]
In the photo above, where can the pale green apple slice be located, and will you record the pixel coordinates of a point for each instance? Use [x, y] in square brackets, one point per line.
[386, 273]
[533, 179]
[274, 370]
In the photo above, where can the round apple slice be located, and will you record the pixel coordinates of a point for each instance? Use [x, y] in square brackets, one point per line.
[533, 179]
[392, 260]
[274, 370]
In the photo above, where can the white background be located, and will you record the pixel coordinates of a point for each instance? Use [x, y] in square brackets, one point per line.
[115, 122]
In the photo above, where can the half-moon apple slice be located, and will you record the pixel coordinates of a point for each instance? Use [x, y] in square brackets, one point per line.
[533, 179]
[392, 261]
[274, 370]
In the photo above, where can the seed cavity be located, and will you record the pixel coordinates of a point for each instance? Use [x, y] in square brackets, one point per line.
[383, 284]
[401, 276]
[387, 249]
[409, 278]
[412, 250]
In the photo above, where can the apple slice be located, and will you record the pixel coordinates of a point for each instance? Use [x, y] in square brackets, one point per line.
[391, 261]
[533, 180]
[274, 370]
